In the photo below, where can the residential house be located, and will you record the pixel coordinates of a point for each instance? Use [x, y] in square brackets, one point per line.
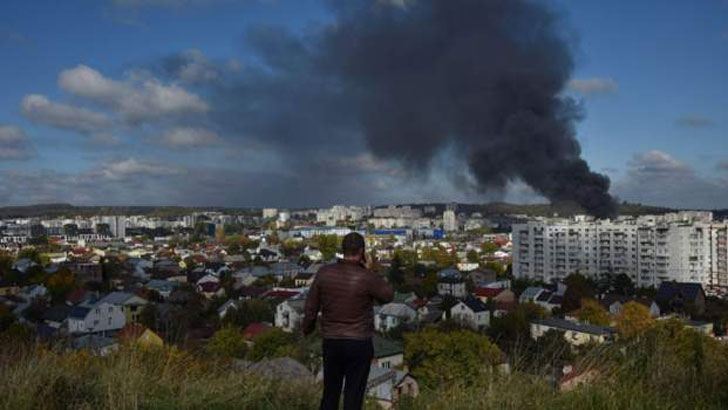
[55, 316]
[33, 292]
[391, 315]
[211, 289]
[614, 304]
[243, 278]
[251, 292]
[482, 276]
[574, 333]
[289, 314]
[530, 294]
[227, 307]
[452, 286]
[681, 297]
[130, 304]
[388, 354]
[99, 317]
[86, 271]
[268, 255]
[304, 279]
[285, 270]
[549, 300]
[22, 265]
[386, 386]
[470, 311]
[501, 295]
[163, 287]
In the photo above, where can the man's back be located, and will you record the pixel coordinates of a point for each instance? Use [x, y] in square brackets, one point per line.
[344, 292]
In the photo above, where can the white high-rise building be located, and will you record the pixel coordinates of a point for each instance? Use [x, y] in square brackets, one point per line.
[685, 247]
[117, 225]
[449, 221]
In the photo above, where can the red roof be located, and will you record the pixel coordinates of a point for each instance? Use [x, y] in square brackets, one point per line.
[487, 292]
[254, 329]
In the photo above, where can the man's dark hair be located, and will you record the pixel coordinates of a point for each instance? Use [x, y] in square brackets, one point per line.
[353, 244]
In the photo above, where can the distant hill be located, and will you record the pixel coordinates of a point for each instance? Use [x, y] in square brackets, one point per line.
[488, 210]
[68, 210]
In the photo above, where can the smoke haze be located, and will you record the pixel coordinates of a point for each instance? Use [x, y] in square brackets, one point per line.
[483, 80]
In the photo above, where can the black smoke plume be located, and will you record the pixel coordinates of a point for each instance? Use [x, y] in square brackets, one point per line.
[481, 78]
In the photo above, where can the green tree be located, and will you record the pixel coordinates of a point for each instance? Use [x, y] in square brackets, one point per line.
[7, 318]
[429, 284]
[395, 273]
[149, 316]
[514, 327]
[473, 256]
[30, 253]
[578, 288]
[272, 343]
[227, 342]
[440, 358]
[623, 285]
[442, 258]
[328, 245]
[592, 312]
[60, 284]
[634, 320]
[489, 247]
[496, 267]
[6, 264]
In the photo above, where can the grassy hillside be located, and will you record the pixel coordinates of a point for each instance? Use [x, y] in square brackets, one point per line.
[670, 367]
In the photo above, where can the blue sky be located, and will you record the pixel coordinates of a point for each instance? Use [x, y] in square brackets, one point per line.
[651, 75]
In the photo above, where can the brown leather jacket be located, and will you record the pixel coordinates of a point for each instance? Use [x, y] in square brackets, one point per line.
[345, 292]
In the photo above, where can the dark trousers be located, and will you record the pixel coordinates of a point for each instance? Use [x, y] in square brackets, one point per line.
[346, 361]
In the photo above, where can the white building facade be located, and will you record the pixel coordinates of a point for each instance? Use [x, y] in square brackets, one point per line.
[685, 247]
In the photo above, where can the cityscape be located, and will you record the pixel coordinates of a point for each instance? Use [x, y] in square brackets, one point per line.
[367, 204]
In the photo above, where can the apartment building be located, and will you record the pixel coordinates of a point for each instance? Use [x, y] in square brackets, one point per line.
[685, 247]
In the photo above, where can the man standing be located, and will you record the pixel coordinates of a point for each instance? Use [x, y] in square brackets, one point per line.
[345, 292]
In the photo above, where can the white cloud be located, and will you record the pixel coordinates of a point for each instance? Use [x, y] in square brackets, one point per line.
[657, 162]
[38, 108]
[593, 86]
[14, 144]
[657, 178]
[137, 98]
[131, 167]
[189, 137]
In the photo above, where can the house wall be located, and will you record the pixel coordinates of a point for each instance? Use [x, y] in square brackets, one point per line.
[287, 318]
[573, 337]
[389, 362]
[101, 318]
